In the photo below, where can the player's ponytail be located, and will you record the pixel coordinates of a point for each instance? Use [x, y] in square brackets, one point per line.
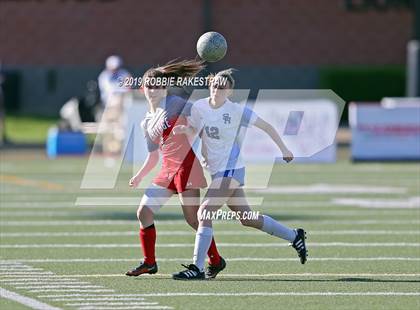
[183, 68]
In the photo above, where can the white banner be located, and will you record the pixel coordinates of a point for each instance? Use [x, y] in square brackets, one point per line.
[385, 132]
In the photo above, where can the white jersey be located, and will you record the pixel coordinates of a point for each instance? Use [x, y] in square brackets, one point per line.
[111, 83]
[221, 132]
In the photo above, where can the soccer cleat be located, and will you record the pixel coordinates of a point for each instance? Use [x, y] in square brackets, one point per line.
[143, 268]
[191, 273]
[299, 245]
[213, 270]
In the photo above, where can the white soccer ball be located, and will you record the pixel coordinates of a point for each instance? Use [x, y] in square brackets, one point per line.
[211, 46]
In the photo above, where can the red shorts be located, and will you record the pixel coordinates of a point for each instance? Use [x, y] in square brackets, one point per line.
[187, 177]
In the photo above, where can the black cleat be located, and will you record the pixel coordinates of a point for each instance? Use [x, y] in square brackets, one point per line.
[143, 268]
[299, 245]
[191, 273]
[213, 270]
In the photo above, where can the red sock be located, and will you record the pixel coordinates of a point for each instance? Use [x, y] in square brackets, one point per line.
[148, 241]
[214, 257]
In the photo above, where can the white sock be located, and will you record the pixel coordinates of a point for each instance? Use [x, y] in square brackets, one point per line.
[202, 244]
[272, 227]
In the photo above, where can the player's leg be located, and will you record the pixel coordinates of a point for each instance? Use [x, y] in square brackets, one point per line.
[267, 224]
[154, 197]
[190, 201]
[218, 193]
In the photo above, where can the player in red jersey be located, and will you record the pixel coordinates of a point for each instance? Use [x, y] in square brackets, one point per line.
[181, 172]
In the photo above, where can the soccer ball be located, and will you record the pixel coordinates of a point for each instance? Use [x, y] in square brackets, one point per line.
[211, 46]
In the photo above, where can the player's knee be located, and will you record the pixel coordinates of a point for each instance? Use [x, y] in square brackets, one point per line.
[145, 216]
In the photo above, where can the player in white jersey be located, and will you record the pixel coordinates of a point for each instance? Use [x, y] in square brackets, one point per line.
[220, 121]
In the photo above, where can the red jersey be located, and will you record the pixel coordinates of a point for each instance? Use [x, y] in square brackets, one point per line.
[180, 167]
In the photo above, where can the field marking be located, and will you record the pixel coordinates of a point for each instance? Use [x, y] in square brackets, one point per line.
[231, 259]
[409, 203]
[117, 299]
[32, 286]
[25, 281]
[217, 232]
[267, 275]
[330, 189]
[46, 280]
[182, 222]
[111, 303]
[29, 276]
[177, 294]
[30, 302]
[5, 214]
[65, 204]
[45, 213]
[123, 308]
[135, 201]
[25, 269]
[190, 245]
[15, 180]
[24, 273]
[70, 290]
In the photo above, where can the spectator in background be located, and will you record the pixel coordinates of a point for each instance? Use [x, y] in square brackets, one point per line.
[112, 94]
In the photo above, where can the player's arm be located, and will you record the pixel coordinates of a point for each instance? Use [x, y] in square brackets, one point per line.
[193, 126]
[204, 152]
[272, 132]
[184, 129]
[151, 162]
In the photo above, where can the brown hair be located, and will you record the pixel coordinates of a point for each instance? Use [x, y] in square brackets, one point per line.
[173, 68]
[225, 74]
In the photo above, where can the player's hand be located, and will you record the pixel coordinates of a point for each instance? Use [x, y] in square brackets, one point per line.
[287, 156]
[204, 163]
[134, 181]
[179, 129]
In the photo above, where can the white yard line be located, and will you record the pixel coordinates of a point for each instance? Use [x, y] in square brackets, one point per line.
[189, 245]
[98, 299]
[30, 302]
[178, 294]
[112, 303]
[217, 232]
[230, 259]
[32, 286]
[320, 189]
[48, 282]
[23, 282]
[182, 222]
[409, 203]
[398, 275]
[24, 273]
[70, 290]
[79, 205]
[124, 308]
[356, 213]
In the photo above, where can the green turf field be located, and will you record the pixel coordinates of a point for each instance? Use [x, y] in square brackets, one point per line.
[363, 223]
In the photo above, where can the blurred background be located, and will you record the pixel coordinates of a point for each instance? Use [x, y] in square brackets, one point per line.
[51, 49]
[75, 216]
